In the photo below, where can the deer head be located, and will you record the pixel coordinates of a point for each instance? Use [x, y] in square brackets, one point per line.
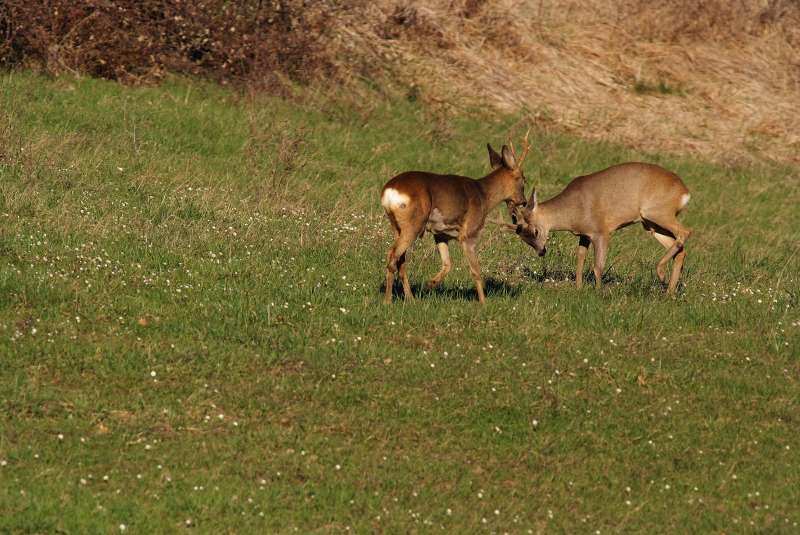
[515, 178]
[534, 229]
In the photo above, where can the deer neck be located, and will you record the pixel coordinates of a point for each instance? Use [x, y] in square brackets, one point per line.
[559, 212]
[494, 188]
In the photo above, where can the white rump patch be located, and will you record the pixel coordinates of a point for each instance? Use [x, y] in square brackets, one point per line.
[394, 199]
[684, 200]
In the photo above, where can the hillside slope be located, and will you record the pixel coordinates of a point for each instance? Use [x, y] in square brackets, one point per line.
[713, 78]
[710, 78]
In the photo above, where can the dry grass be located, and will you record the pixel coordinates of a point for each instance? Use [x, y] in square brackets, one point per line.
[714, 79]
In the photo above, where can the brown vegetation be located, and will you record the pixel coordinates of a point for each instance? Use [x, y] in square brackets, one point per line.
[141, 40]
[715, 78]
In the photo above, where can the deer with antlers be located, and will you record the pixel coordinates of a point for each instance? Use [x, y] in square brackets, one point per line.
[595, 205]
[449, 207]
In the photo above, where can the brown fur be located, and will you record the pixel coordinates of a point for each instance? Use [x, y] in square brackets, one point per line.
[449, 207]
[593, 206]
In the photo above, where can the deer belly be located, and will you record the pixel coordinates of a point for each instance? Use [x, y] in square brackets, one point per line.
[436, 225]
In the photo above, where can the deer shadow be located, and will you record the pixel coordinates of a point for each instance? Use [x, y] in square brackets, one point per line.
[544, 275]
[491, 287]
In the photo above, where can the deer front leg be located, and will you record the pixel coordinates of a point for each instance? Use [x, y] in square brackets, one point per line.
[583, 246]
[600, 249]
[444, 253]
[474, 267]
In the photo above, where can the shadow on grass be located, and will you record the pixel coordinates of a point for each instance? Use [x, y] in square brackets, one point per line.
[639, 285]
[544, 275]
[491, 287]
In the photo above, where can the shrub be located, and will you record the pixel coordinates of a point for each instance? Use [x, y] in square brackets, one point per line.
[140, 40]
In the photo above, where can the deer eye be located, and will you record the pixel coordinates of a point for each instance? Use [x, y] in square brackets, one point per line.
[536, 233]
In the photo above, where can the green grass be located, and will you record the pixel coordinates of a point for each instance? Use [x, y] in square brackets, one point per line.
[191, 332]
[643, 87]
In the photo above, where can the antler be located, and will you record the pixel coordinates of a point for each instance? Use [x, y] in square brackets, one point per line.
[525, 149]
[496, 221]
[503, 224]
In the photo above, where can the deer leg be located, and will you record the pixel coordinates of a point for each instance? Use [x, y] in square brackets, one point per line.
[397, 260]
[681, 234]
[474, 267]
[444, 253]
[401, 262]
[391, 264]
[390, 269]
[600, 250]
[583, 246]
[677, 267]
[667, 242]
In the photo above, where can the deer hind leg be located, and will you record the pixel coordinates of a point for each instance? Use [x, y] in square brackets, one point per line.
[600, 251]
[402, 267]
[667, 242]
[391, 261]
[402, 244]
[583, 246]
[680, 234]
[396, 261]
[677, 267]
[474, 267]
[444, 253]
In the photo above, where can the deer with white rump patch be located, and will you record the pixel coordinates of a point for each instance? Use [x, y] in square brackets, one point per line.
[449, 207]
[593, 206]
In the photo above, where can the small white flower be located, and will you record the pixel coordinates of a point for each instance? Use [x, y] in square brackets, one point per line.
[123, 527]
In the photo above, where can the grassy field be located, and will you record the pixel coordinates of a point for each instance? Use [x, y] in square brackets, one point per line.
[191, 334]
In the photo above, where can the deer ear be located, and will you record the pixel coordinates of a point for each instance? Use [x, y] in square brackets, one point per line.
[494, 159]
[508, 158]
[531, 206]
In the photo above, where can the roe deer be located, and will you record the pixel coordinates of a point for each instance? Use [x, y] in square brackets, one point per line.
[595, 205]
[448, 206]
